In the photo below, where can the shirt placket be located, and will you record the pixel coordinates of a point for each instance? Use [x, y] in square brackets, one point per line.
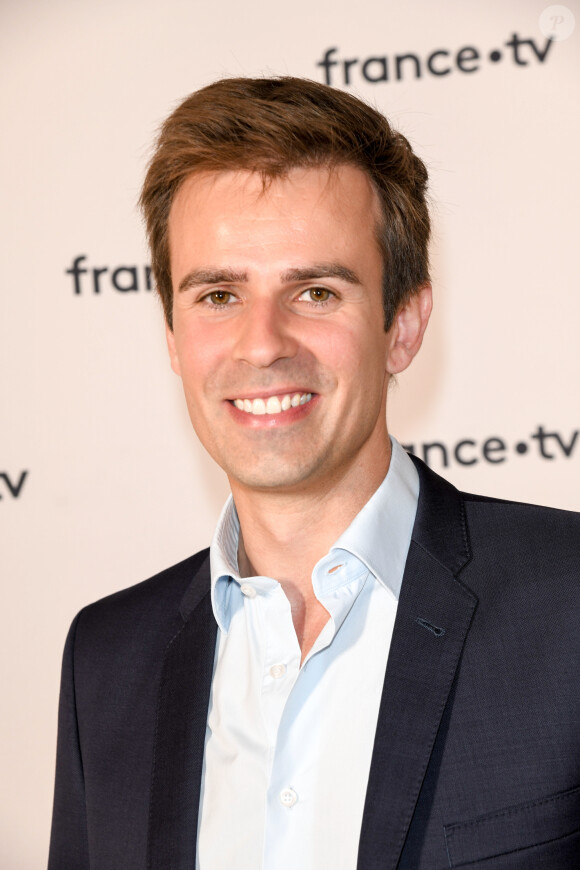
[280, 661]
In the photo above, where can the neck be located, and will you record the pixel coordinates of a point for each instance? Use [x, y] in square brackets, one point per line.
[284, 534]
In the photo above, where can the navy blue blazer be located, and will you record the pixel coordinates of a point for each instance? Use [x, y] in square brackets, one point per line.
[476, 758]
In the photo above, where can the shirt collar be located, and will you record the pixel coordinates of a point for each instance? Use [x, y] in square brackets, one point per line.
[223, 562]
[380, 533]
[379, 537]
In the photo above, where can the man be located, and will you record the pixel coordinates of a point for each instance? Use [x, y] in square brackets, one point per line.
[238, 709]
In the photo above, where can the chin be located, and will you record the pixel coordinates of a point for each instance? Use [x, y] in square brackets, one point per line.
[271, 476]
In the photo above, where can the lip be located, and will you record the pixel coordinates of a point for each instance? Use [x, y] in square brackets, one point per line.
[271, 421]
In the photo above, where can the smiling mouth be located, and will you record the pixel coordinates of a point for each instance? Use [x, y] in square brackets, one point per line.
[273, 404]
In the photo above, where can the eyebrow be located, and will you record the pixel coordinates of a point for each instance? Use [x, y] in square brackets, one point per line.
[209, 275]
[321, 270]
[198, 277]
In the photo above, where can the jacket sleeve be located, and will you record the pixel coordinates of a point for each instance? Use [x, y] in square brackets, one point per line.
[69, 841]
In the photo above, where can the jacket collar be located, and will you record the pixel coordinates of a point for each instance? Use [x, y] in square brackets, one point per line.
[440, 524]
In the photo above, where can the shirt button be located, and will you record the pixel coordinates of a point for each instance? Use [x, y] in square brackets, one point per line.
[248, 590]
[277, 671]
[288, 797]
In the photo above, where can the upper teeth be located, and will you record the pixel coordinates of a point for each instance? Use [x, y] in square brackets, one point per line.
[273, 404]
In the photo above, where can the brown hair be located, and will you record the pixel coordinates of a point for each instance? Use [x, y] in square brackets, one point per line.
[274, 125]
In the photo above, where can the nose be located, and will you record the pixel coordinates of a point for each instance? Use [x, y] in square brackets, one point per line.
[263, 335]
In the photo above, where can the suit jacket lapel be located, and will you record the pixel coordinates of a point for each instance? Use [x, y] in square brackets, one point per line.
[433, 618]
[180, 733]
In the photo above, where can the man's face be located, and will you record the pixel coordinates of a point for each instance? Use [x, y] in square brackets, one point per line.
[278, 326]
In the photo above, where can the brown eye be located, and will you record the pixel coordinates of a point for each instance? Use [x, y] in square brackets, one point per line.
[319, 294]
[219, 297]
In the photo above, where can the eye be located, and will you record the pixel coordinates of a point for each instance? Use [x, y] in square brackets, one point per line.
[219, 298]
[317, 294]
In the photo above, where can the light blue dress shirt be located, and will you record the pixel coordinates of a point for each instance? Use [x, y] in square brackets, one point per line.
[288, 748]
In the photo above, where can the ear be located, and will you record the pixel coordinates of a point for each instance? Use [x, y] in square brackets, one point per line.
[408, 329]
[174, 359]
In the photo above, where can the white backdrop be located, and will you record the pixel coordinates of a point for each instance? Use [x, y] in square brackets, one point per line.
[101, 481]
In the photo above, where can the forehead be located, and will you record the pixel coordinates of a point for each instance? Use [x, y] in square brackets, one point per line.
[228, 207]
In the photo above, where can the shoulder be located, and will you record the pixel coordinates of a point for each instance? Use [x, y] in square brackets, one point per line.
[492, 523]
[541, 533]
[461, 529]
[525, 565]
[160, 591]
[147, 613]
[498, 546]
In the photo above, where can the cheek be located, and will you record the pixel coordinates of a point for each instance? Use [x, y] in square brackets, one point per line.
[350, 352]
[198, 355]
